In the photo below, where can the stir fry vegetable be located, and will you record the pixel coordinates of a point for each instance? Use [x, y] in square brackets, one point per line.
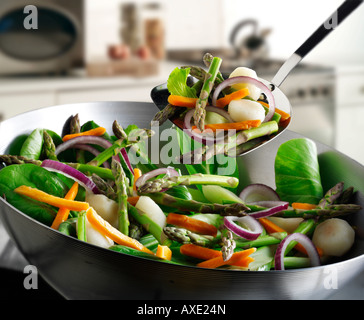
[240, 103]
[196, 218]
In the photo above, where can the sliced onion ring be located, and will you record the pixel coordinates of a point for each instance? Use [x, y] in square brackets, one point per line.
[304, 241]
[254, 231]
[171, 172]
[72, 173]
[257, 192]
[244, 79]
[207, 137]
[272, 208]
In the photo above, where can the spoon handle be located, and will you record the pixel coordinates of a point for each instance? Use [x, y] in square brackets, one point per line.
[326, 28]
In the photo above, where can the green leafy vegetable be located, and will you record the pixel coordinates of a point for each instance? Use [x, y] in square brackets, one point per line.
[34, 176]
[32, 146]
[177, 83]
[297, 172]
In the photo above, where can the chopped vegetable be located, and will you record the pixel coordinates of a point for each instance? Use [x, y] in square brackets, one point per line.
[334, 236]
[237, 257]
[164, 252]
[189, 223]
[303, 206]
[137, 175]
[42, 196]
[284, 115]
[62, 214]
[243, 110]
[108, 230]
[180, 101]
[133, 200]
[199, 252]
[236, 95]
[99, 131]
[241, 125]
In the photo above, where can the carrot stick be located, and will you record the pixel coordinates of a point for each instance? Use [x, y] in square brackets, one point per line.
[137, 175]
[191, 224]
[284, 115]
[180, 101]
[272, 228]
[164, 252]
[114, 234]
[133, 200]
[303, 206]
[42, 196]
[62, 214]
[219, 261]
[199, 252]
[242, 125]
[236, 95]
[244, 262]
[99, 131]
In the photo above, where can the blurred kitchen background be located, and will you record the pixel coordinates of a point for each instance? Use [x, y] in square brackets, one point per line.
[111, 50]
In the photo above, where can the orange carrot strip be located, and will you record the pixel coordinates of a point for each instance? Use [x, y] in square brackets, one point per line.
[272, 228]
[284, 115]
[62, 214]
[242, 125]
[164, 252]
[114, 234]
[199, 252]
[303, 206]
[236, 95]
[180, 101]
[244, 262]
[99, 131]
[42, 196]
[137, 175]
[191, 224]
[219, 261]
[133, 200]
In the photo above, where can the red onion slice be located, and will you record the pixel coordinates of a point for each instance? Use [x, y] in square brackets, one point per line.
[244, 79]
[72, 173]
[273, 208]
[102, 142]
[258, 192]
[171, 172]
[304, 241]
[254, 227]
[209, 137]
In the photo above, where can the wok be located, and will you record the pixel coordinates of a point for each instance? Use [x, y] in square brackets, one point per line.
[79, 270]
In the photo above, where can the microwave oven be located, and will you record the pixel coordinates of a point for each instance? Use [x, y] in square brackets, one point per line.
[54, 43]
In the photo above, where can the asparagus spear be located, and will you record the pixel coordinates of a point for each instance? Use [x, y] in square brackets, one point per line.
[104, 187]
[122, 196]
[119, 131]
[228, 245]
[263, 240]
[10, 159]
[169, 182]
[75, 127]
[331, 195]
[228, 146]
[200, 111]
[207, 60]
[169, 112]
[49, 147]
[185, 236]
[330, 211]
[233, 209]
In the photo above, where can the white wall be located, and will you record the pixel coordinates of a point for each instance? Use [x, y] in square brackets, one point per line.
[208, 23]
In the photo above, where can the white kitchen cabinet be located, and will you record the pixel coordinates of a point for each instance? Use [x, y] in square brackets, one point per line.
[350, 114]
[15, 103]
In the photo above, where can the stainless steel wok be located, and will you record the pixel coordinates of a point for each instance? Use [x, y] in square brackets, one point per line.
[78, 270]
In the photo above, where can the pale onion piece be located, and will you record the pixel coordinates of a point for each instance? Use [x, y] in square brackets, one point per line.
[287, 224]
[105, 207]
[96, 238]
[254, 92]
[243, 110]
[334, 237]
[152, 210]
